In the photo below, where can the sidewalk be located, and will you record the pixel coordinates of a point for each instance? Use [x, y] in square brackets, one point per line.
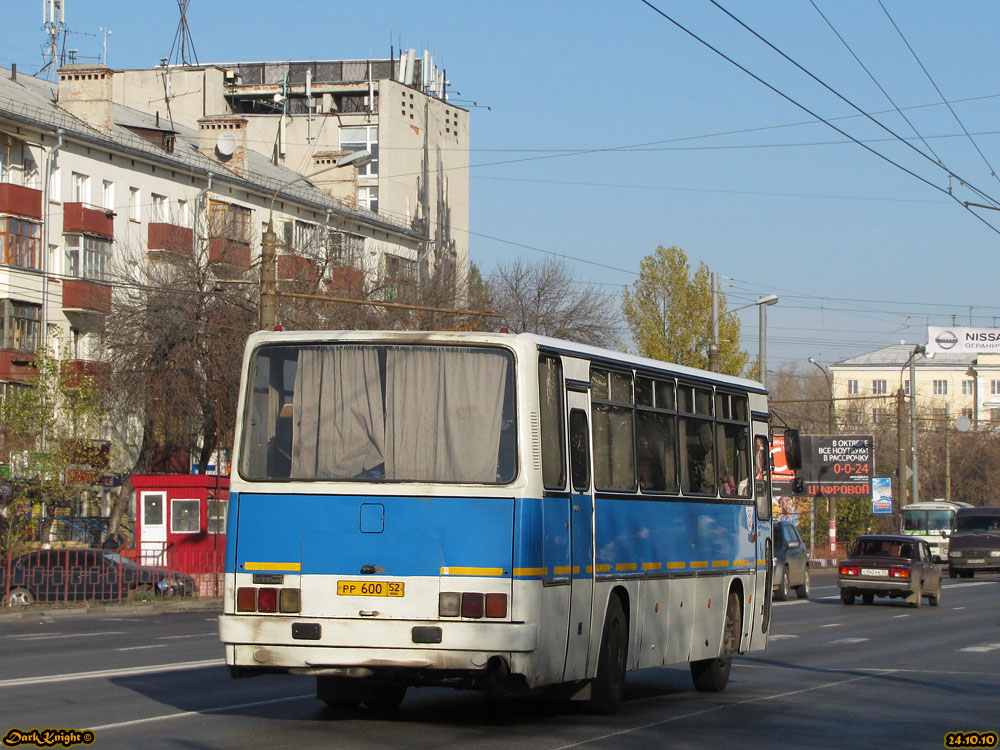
[99, 609]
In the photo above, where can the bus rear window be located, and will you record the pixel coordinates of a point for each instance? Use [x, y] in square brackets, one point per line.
[340, 412]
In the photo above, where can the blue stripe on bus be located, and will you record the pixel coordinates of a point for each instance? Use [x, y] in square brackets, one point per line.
[327, 534]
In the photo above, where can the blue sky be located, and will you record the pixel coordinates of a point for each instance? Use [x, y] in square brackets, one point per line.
[679, 146]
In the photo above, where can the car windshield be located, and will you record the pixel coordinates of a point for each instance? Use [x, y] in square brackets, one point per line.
[882, 548]
[926, 520]
[977, 525]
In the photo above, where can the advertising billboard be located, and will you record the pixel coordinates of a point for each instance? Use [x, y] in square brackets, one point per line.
[832, 465]
[962, 340]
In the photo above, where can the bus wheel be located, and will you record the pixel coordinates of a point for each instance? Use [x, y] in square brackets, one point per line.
[339, 692]
[384, 697]
[609, 685]
[712, 675]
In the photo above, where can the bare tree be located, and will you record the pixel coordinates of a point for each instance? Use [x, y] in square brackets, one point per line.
[544, 298]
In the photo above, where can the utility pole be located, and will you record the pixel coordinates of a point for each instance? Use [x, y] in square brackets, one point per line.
[268, 277]
[901, 446]
[713, 348]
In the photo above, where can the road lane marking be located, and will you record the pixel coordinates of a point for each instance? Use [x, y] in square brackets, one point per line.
[215, 710]
[976, 583]
[34, 637]
[896, 617]
[851, 640]
[105, 673]
[831, 625]
[213, 633]
[982, 649]
[780, 637]
[681, 717]
[138, 648]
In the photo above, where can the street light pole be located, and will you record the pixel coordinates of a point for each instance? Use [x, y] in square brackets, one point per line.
[973, 373]
[268, 309]
[830, 417]
[762, 304]
[915, 487]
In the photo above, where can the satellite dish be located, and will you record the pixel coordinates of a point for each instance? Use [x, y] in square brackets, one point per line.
[226, 143]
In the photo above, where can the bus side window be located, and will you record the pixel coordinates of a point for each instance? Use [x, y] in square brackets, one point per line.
[550, 408]
[579, 450]
[762, 476]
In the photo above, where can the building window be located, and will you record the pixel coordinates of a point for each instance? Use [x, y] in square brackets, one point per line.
[184, 516]
[906, 387]
[967, 413]
[88, 257]
[852, 387]
[879, 387]
[400, 274]
[229, 221]
[160, 213]
[882, 416]
[940, 387]
[346, 250]
[217, 510]
[995, 415]
[108, 195]
[995, 387]
[368, 198]
[133, 204]
[359, 138]
[81, 188]
[19, 325]
[968, 387]
[183, 216]
[19, 243]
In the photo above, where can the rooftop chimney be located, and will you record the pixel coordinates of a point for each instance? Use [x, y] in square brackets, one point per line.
[85, 92]
[224, 138]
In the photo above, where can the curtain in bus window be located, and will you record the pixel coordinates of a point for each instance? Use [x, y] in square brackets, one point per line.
[337, 416]
[697, 456]
[614, 459]
[444, 414]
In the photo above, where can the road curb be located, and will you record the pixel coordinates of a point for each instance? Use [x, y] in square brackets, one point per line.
[35, 611]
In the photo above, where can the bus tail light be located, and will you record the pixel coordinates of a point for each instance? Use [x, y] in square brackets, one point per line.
[848, 570]
[899, 572]
[267, 600]
[471, 604]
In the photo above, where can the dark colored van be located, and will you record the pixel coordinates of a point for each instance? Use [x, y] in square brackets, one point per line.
[975, 542]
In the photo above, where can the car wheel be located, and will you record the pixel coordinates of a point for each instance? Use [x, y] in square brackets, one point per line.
[609, 684]
[802, 592]
[784, 588]
[935, 599]
[917, 595]
[712, 675]
[20, 597]
[868, 598]
[847, 597]
[968, 573]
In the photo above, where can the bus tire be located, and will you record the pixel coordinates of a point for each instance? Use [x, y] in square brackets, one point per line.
[384, 697]
[608, 687]
[712, 675]
[339, 692]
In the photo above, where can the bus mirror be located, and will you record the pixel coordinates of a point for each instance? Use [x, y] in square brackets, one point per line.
[798, 486]
[793, 449]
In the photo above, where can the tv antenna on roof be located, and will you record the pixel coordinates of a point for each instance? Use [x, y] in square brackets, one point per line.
[53, 24]
[183, 41]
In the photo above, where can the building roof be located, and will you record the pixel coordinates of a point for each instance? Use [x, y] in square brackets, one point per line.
[33, 102]
[898, 355]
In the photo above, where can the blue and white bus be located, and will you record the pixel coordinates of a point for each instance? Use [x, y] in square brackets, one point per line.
[490, 511]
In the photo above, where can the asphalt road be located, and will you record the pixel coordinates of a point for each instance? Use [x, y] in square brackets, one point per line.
[832, 677]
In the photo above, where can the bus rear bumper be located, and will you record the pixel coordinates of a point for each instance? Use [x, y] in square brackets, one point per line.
[256, 643]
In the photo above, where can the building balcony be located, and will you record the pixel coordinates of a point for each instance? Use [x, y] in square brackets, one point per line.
[81, 218]
[16, 365]
[170, 237]
[20, 201]
[347, 282]
[297, 268]
[229, 252]
[80, 295]
[74, 370]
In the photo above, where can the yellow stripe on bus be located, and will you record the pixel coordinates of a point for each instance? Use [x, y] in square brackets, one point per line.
[652, 566]
[720, 563]
[531, 571]
[761, 562]
[450, 571]
[699, 564]
[626, 566]
[741, 563]
[676, 565]
[290, 566]
[603, 568]
[565, 570]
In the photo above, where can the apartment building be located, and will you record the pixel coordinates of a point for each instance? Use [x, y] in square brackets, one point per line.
[297, 113]
[946, 386]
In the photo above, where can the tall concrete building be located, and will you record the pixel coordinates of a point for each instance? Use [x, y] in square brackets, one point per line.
[298, 114]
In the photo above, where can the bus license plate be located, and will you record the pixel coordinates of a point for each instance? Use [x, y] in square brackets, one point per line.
[370, 588]
[874, 572]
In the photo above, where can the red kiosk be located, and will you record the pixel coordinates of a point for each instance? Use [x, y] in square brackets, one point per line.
[180, 523]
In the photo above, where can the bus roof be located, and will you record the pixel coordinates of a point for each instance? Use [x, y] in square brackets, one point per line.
[546, 343]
